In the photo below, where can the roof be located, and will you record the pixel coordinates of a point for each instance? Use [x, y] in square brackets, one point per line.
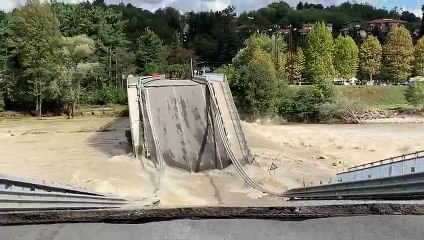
[283, 31]
[387, 20]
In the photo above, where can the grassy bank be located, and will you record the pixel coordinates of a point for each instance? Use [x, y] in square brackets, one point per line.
[372, 96]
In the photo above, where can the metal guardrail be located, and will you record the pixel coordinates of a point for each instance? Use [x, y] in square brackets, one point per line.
[400, 187]
[17, 194]
[400, 158]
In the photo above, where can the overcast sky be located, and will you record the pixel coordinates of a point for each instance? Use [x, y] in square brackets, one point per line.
[241, 5]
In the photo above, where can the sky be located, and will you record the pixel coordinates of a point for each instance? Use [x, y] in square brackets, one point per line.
[241, 5]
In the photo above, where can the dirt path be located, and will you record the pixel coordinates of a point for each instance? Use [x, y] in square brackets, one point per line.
[75, 152]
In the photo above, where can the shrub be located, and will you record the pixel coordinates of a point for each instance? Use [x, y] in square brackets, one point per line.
[303, 107]
[178, 71]
[415, 94]
[342, 110]
[1, 104]
[104, 96]
[306, 105]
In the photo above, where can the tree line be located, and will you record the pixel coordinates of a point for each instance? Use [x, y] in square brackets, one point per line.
[55, 56]
[60, 56]
[260, 72]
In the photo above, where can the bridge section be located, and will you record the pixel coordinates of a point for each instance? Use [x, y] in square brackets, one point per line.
[173, 122]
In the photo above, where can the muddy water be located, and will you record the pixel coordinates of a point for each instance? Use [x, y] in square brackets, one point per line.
[76, 152]
[82, 152]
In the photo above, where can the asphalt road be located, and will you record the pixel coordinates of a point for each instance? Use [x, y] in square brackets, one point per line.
[352, 228]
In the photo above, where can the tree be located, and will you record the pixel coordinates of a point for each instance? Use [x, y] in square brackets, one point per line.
[415, 94]
[398, 54]
[150, 54]
[275, 46]
[295, 66]
[36, 43]
[419, 57]
[5, 56]
[370, 55]
[345, 57]
[180, 56]
[263, 84]
[239, 83]
[319, 54]
[75, 54]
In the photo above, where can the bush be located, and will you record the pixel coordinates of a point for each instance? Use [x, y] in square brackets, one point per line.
[309, 104]
[1, 104]
[415, 94]
[342, 110]
[178, 71]
[104, 96]
[303, 107]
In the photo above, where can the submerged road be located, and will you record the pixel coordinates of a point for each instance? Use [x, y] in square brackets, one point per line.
[352, 228]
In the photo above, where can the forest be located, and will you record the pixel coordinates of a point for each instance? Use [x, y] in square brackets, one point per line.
[57, 57]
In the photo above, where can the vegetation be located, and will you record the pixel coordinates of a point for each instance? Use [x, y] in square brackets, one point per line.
[151, 53]
[369, 96]
[319, 54]
[370, 57]
[345, 57]
[398, 54]
[419, 57]
[61, 56]
[75, 68]
[295, 66]
[263, 84]
[36, 43]
[415, 94]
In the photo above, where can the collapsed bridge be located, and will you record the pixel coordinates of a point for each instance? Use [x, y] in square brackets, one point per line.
[184, 123]
[188, 124]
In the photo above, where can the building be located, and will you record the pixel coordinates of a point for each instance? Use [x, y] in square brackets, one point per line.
[385, 24]
[307, 27]
[349, 27]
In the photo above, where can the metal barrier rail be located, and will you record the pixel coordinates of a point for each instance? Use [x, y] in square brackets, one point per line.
[20, 195]
[16, 183]
[406, 186]
[400, 158]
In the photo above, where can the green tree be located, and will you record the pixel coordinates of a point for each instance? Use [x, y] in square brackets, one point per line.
[319, 54]
[275, 46]
[36, 43]
[263, 84]
[398, 54]
[238, 80]
[75, 54]
[370, 55]
[151, 53]
[419, 57]
[124, 65]
[5, 56]
[105, 26]
[180, 56]
[295, 66]
[415, 94]
[345, 57]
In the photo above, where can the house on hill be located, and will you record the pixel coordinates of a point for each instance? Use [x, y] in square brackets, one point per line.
[385, 24]
[307, 27]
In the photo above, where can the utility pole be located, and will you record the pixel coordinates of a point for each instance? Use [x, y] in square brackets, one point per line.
[191, 68]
